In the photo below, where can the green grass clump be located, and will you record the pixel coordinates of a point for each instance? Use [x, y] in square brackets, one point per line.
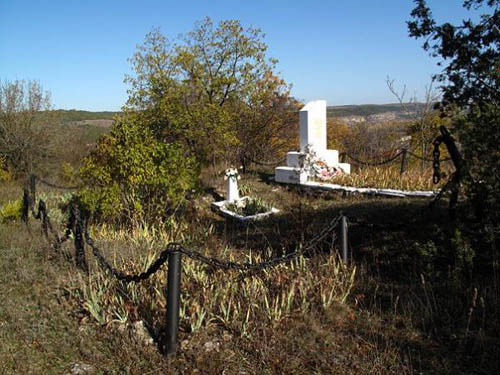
[11, 211]
[249, 207]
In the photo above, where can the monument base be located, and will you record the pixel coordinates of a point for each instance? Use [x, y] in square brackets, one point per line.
[346, 167]
[313, 159]
[290, 175]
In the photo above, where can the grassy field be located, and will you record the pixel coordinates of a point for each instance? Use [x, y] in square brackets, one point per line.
[399, 308]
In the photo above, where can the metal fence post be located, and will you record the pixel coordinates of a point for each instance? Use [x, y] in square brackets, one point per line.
[79, 242]
[343, 239]
[26, 206]
[32, 187]
[173, 297]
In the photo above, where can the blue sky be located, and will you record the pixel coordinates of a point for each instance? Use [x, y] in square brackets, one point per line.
[338, 50]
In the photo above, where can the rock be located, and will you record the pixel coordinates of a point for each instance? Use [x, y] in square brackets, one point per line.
[142, 333]
[210, 346]
[184, 344]
[82, 369]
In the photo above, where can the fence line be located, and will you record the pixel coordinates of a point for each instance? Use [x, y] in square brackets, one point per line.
[78, 226]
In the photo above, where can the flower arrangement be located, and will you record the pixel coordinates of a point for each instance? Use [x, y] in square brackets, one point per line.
[317, 167]
[231, 173]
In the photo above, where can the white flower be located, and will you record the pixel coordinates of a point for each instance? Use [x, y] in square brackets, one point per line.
[231, 173]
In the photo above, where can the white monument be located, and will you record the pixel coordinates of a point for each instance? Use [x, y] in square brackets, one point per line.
[232, 177]
[232, 189]
[312, 141]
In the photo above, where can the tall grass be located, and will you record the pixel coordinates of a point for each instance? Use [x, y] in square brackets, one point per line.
[388, 178]
[235, 301]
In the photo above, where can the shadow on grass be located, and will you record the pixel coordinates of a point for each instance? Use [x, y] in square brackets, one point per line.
[408, 274]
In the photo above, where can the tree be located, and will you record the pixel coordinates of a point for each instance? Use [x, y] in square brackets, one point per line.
[27, 126]
[470, 80]
[424, 119]
[470, 52]
[264, 123]
[211, 95]
[199, 91]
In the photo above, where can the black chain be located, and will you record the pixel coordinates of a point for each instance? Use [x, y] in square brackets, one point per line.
[196, 255]
[436, 177]
[426, 159]
[77, 225]
[217, 263]
[153, 268]
[374, 164]
[29, 198]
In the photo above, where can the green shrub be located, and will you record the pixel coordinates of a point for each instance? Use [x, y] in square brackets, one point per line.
[11, 211]
[133, 176]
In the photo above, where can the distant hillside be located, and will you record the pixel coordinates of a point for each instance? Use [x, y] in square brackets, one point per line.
[371, 113]
[350, 114]
[74, 115]
[362, 110]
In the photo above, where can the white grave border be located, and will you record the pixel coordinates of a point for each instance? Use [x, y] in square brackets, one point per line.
[233, 196]
[312, 131]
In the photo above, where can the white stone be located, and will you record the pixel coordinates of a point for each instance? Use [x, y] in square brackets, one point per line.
[331, 157]
[221, 208]
[313, 141]
[346, 167]
[293, 159]
[82, 369]
[313, 126]
[290, 175]
[232, 189]
[371, 191]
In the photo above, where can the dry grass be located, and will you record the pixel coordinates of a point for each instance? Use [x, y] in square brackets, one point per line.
[394, 311]
[389, 178]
